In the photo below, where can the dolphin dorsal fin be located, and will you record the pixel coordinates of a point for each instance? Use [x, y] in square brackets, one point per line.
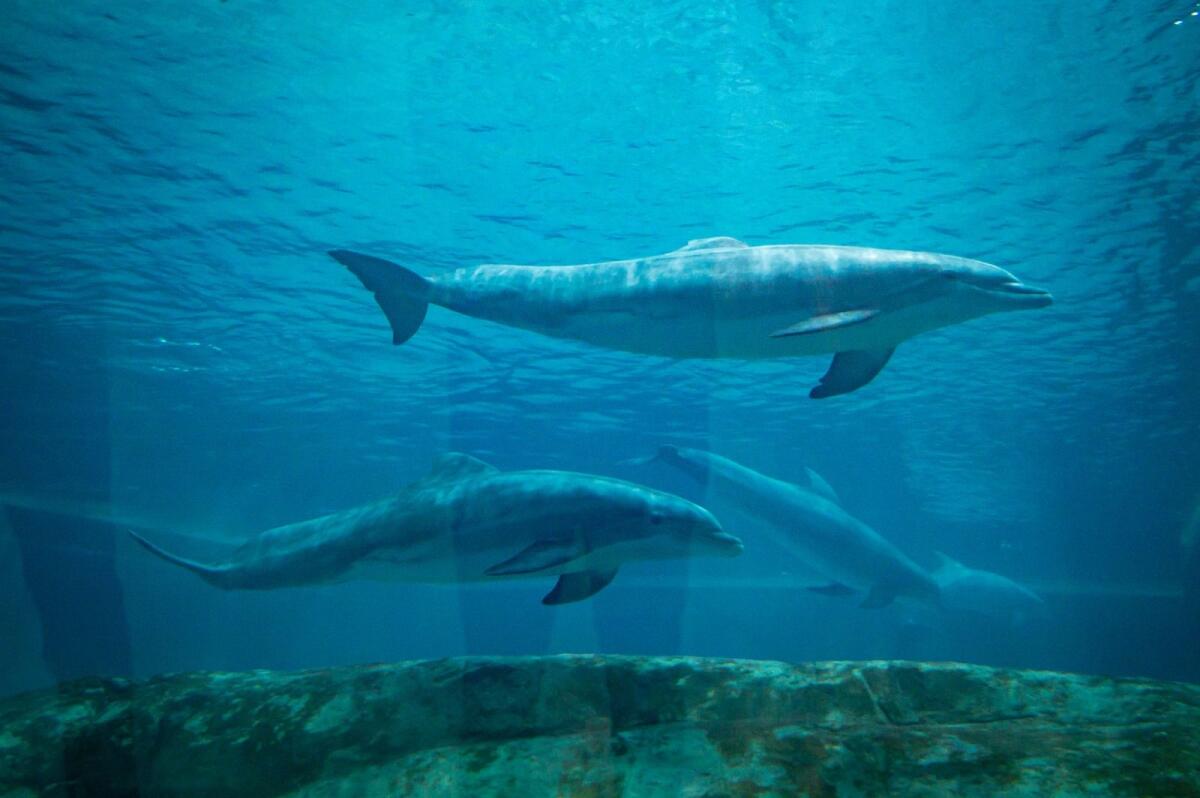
[716, 242]
[456, 465]
[818, 485]
[948, 563]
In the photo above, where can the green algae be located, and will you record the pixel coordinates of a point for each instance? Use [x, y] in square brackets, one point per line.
[607, 726]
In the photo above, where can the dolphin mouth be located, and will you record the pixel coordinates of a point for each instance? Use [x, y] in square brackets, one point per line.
[729, 545]
[1027, 295]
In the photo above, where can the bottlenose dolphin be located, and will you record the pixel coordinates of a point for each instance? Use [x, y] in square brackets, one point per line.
[809, 520]
[985, 592]
[718, 298]
[466, 521]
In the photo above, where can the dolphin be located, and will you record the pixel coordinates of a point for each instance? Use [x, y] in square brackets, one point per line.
[718, 298]
[466, 521]
[984, 592]
[809, 520]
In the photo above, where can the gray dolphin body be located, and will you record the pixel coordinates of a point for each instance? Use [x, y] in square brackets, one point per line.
[719, 298]
[468, 522]
[809, 520]
[984, 592]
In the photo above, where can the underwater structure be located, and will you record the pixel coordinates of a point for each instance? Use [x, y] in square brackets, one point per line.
[575, 725]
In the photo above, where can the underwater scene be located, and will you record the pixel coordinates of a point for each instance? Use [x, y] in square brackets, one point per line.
[732, 398]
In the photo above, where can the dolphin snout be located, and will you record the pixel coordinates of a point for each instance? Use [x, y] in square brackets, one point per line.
[1026, 295]
[728, 545]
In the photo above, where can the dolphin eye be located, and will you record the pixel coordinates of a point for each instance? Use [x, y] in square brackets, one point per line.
[656, 518]
[950, 275]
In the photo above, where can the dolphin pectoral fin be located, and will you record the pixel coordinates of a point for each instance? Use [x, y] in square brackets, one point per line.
[850, 371]
[832, 589]
[880, 596]
[400, 293]
[538, 556]
[578, 586]
[826, 322]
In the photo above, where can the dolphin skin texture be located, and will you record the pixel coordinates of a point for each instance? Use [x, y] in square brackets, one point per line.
[973, 590]
[466, 521]
[809, 521]
[718, 298]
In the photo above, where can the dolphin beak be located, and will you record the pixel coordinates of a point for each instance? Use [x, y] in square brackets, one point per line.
[1026, 296]
[729, 545]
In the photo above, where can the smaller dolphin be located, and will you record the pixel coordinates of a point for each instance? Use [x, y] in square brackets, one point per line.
[973, 590]
[466, 521]
[809, 520]
[718, 298]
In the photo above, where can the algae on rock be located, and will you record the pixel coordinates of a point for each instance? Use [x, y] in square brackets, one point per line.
[606, 726]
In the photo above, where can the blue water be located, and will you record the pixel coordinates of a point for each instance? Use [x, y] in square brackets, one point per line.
[179, 354]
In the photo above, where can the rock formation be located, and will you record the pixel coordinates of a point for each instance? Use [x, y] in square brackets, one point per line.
[606, 726]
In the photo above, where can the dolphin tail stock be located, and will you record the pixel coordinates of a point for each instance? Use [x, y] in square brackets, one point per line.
[214, 575]
[402, 294]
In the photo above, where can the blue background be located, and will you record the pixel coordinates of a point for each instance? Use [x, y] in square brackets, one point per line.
[178, 353]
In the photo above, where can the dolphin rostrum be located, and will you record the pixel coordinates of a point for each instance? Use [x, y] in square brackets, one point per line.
[983, 592]
[466, 521]
[809, 521]
[718, 298]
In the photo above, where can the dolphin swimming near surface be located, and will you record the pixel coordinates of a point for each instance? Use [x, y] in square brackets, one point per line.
[809, 520]
[718, 298]
[984, 592]
[466, 521]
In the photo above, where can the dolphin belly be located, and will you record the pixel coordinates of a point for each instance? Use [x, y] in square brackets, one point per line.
[686, 336]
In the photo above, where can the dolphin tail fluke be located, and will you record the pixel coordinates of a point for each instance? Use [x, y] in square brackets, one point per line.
[402, 294]
[212, 574]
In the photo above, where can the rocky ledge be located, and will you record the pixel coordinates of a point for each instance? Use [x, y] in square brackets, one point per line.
[606, 726]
